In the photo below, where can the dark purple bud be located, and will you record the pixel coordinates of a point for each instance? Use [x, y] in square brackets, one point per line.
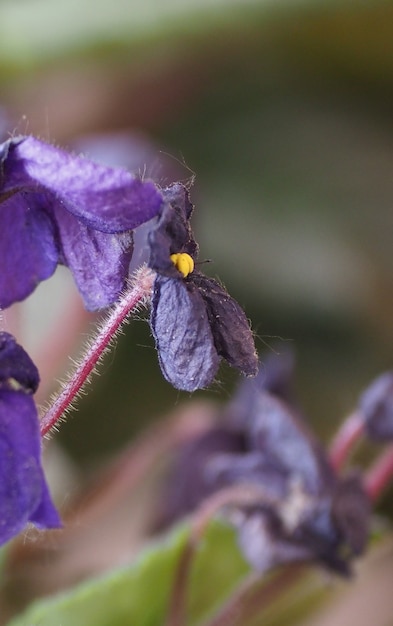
[376, 408]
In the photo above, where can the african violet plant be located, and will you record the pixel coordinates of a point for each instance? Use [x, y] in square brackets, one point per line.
[284, 494]
[57, 208]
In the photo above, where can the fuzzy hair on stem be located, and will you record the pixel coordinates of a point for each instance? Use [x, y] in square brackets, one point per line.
[132, 300]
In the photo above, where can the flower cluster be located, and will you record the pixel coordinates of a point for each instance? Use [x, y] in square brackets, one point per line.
[287, 499]
[58, 208]
[54, 208]
[306, 512]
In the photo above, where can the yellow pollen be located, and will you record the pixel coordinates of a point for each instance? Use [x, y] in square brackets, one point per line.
[183, 262]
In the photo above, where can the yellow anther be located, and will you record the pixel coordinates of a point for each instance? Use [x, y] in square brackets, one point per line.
[183, 262]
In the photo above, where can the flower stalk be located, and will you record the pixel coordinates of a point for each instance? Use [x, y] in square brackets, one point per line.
[245, 494]
[379, 476]
[131, 301]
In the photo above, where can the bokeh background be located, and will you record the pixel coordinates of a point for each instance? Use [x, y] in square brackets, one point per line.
[281, 109]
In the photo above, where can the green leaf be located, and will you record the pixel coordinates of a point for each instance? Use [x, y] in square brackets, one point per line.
[139, 594]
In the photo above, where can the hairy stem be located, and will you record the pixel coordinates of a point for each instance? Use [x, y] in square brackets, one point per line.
[133, 298]
[380, 475]
[58, 342]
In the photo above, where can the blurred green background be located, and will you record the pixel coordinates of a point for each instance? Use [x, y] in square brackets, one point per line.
[282, 109]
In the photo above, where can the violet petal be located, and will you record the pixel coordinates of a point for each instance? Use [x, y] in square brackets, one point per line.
[277, 433]
[182, 334]
[23, 491]
[230, 328]
[107, 199]
[98, 261]
[29, 253]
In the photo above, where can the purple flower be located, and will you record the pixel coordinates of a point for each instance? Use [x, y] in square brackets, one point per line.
[376, 408]
[59, 208]
[309, 513]
[306, 512]
[24, 495]
[194, 320]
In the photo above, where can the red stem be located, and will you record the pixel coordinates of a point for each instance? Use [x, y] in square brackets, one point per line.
[379, 475]
[130, 301]
[255, 595]
[228, 496]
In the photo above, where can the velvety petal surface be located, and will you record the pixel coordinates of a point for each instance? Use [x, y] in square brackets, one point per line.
[23, 492]
[28, 248]
[229, 325]
[172, 232]
[105, 198]
[16, 367]
[98, 261]
[280, 436]
[182, 334]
